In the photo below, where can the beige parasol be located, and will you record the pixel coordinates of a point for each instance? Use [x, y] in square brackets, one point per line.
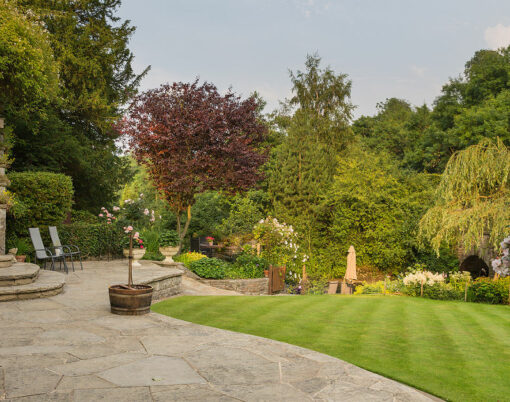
[350, 272]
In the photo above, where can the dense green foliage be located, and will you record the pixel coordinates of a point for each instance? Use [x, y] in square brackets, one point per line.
[375, 207]
[97, 240]
[485, 290]
[248, 265]
[472, 198]
[63, 85]
[168, 238]
[28, 71]
[416, 341]
[211, 268]
[45, 197]
[188, 258]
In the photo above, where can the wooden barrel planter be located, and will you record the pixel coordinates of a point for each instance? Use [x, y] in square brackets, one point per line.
[134, 300]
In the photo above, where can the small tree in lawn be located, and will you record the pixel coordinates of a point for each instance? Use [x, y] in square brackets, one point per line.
[192, 139]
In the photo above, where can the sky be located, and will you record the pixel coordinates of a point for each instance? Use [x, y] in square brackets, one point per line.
[388, 48]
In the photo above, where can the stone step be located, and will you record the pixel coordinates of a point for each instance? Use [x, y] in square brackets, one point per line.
[48, 283]
[18, 274]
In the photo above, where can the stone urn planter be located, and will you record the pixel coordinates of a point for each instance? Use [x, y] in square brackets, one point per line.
[131, 299]
[169, 252]
[138, 254]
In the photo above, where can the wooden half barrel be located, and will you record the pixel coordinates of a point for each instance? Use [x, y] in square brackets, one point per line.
[135, 300]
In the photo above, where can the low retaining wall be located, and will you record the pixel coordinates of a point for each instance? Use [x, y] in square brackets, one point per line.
[258, 286]
[165, 286]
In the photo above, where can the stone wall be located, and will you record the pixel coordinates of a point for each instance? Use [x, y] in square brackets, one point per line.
[258, 286]
[165, 287]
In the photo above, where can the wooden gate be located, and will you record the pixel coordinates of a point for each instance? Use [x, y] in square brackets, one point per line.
[276, 279]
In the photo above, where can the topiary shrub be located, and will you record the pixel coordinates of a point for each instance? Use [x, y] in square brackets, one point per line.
[210, 268]
[46, 198]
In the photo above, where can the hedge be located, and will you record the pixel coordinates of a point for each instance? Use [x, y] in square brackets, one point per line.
[94, 239]
[46, 198]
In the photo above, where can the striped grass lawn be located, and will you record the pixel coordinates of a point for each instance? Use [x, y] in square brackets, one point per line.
[457, 351]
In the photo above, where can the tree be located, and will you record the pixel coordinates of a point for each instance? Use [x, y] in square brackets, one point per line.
[28, 71]
[315, 123]
[376, 206]
[95, 79]
[192, 139]
[472, 198]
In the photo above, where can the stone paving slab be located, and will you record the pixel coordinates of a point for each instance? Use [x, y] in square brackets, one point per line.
[71, 348]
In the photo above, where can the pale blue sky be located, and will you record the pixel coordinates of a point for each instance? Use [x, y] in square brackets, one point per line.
[401, 48]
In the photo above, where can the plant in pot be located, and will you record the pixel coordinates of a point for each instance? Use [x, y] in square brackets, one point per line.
[23, 248]
[130, 299]
[210, 240]
[133, 246]
[169, 245]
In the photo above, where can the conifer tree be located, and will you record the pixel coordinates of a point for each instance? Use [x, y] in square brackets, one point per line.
[303, 166]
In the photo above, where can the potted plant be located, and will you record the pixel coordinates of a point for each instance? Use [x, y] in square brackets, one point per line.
[210, 240]
[22, 249]
[130, 299]
[134, 246]
[169, 245]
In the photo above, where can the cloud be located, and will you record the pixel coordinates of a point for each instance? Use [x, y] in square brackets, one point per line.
[497, 36]
[419, 71]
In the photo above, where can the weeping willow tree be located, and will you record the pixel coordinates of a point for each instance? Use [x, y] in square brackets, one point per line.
[472, 200]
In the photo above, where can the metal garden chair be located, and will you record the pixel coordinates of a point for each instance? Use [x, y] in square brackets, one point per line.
[45, 254]
[69, 250]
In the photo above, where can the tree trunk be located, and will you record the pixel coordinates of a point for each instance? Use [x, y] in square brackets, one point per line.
[185, 230]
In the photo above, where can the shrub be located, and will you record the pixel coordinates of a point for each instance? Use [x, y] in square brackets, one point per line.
[168, 238]
[248, 266]
[188, 258]
[378, 288]
[211, 268]
[83, 217]
[46, 198]
[485, 290]
[151, 242]
[94, 240]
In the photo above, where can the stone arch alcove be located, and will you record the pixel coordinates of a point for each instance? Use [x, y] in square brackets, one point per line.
[475, 265]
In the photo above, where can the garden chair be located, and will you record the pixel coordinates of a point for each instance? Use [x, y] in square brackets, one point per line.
[44, 253]
[69, 250]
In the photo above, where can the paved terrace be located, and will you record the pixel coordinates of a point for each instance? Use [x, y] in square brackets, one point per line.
[70, 348]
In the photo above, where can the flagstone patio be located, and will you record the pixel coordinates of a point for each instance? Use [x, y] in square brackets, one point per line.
[71, 348]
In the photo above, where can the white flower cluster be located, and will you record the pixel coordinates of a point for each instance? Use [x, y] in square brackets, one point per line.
[286, 234]
[425, 277]
[501, 264]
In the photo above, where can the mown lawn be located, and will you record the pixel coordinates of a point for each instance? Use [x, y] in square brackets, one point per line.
[457, 351]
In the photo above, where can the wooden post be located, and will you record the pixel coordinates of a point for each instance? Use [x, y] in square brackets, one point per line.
[130, 259]
[421, 290]
[258, 249]
[465, 292]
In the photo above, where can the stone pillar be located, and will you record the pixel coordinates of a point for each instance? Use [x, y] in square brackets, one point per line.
[4, 182]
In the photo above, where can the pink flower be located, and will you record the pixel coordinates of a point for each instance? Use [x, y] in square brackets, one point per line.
[115, 209]
[128, 229]
[141, 246]
[109, 223]
[101, 215]
[146, 211]
[136, 235]
[103, 209]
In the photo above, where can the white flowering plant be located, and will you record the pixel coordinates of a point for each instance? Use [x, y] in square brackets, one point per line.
[279, 242]
[501, 264]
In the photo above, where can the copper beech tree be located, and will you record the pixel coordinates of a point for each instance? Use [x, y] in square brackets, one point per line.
[192, 139]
